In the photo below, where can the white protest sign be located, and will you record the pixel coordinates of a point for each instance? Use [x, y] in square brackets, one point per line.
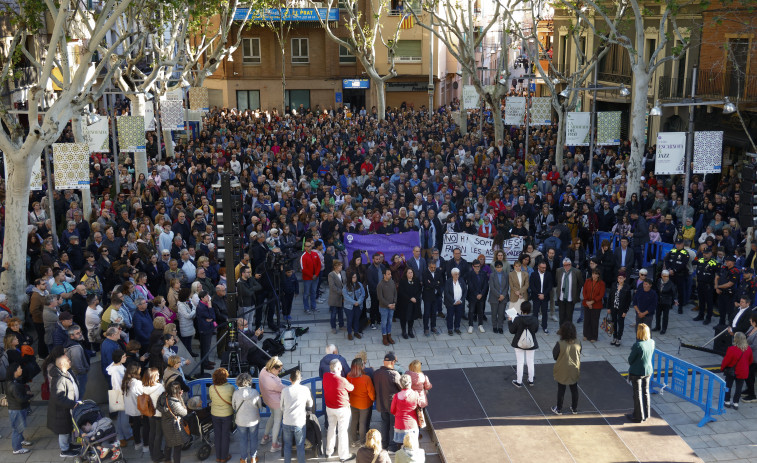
[470, 97]
[671, 147]
[577, 128]
[513, 249]
[470, 245]
[515, 110]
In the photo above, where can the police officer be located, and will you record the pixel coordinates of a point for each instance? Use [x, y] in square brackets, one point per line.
[748, 286]
[726, 284]
[677, 264]
[707, 268]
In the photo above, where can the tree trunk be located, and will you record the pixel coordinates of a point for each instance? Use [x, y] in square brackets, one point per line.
[13, 280]
[560, 145]
[168, 141]
[381, 99]
[86, 196]
[638, 115]
[138, 104]
[499, 123]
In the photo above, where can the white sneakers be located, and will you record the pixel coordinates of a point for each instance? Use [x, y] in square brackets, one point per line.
[470, 330]
[481, 328]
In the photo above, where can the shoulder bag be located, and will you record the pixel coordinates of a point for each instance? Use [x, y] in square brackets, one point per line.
[181, 424]
[731, 371]
[116, 400]
[145, 406]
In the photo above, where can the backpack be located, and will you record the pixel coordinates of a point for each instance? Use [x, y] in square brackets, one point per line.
[161, 404]
[526, 340]
[273, 347]
[289, 339]
[145, 406]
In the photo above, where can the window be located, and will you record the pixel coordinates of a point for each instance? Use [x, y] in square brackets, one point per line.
[296, 98]
[408, 51]
[563, 54]
[345, 57]
[248, 99]
[251, 51]
[300, 51]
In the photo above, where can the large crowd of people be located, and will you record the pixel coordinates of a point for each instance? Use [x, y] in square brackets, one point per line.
[139, 281]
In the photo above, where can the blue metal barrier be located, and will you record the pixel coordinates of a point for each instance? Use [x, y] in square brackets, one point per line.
[694, 384]
[199, 387]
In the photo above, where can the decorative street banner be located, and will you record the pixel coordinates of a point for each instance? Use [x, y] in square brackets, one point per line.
[36, 182]
[515, 110]
[71, 165]
[708, 152]
[97, 136]
[131, 133]
[671, 150]
[149, 117]
[541, 110]
[199, 99]
[608, 128]
[172, 115]
[577, 128]
[177, 94]
[470, 97]
[396, 243]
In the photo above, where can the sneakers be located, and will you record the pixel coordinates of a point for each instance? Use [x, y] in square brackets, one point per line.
[727, 404]
[373, 326]
[481, 329]
[573, 411]
[546, 331]
[276, 447]
[459, 332]
[23, 451]
[138, 447]
[554, 318]
[426, 333]
[748, 399]
[530, 384]
[556, 410]
[470, 330]
[266, 439]
[26, 443]
[145, 449]
[69, 453]
[735, 405]
[449, 332]
[517, 384]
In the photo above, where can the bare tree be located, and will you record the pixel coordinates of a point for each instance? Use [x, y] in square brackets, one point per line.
[363, 31]
[273, 18]
[50, 113]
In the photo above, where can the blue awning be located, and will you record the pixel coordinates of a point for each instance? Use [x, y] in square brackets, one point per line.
[289, 14]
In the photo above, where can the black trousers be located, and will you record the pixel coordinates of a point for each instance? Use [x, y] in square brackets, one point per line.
[729, 380]
[725, 307]
[140, 429]
[565, 311]
[42, 350]
[706, 292]
[662, 315]
[641, 405]
[375, 314]
[407, 320]
[541, 309]
[573, 395]
[681, 280]
[387, 429]
[591, 323]
[476, 311]
[618, 323]
[155, 440]
[430, 307]
[749, 392]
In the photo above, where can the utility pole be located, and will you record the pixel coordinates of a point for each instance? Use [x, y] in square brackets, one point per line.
[689, 145]
[431, 72]
[593, 125]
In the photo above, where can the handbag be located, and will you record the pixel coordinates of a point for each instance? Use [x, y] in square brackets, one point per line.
[145, 406]
[731, 371]
[116, 400]
[181, 423]
[421, 418]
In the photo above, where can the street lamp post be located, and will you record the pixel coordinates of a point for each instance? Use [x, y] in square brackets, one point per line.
[691, 103]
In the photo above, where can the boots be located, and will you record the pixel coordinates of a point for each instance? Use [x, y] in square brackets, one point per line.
[389, 338]
[349, 336]
[404, 334]
[385, 339]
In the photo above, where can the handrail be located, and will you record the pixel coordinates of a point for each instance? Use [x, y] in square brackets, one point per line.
[694, 384]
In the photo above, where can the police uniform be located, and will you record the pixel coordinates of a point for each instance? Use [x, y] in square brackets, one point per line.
[677, 260]
[727, 295]
[707, 268]
[748, 288]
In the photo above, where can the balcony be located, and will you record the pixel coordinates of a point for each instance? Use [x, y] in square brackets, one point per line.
[711, 84]
[614, 78]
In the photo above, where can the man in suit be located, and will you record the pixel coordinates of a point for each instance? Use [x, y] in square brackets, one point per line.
[551, 260]
[373, 274]
[478, 286]
[417, 263]
[624, 255]
[499, 285]
[433, 285]
[741, 320]
[540, 288]
[455, 292]
[640, 231]
[569, 283]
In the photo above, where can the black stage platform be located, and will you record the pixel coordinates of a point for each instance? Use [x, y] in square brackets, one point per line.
[479, 416]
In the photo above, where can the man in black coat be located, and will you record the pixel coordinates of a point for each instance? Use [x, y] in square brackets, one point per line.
[79, 310]
[455, 292]
[540, 288]
[222, 317]
[624, 255]
[373, 274]
[478, 286]
[433, 283]
[457, 262]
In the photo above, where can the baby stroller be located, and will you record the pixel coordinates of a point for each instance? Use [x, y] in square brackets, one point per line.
[201, 429]
[98, 435]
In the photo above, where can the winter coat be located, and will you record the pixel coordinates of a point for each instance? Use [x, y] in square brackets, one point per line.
[420, 384]
[142, 327]
[205, 313]
[134, 390]
[220, 400]
[521, 323]
[310, 264]
[186, 313]
[593, 291]
[406, 309]
[50, 319]
[270, 388]
[667, 292]
[567, 357]
[336, 284]
[172, 433]
[403, 408]
[247, 403]
[404, 455]
[37, 304]
[740, 360]
[64, 392]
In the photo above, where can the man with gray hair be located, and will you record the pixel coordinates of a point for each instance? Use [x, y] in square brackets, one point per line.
[79, 359]
[336, 391]
[568, 283]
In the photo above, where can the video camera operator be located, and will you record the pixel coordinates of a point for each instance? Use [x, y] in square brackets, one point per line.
[271, 271]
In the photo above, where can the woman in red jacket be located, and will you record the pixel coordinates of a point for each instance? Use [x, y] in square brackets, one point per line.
[404, 404]
[593, 292]
[738, 357]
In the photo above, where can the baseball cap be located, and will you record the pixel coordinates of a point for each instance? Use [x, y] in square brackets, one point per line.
[390, 357]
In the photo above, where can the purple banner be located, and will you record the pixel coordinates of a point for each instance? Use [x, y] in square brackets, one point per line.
[397, 243]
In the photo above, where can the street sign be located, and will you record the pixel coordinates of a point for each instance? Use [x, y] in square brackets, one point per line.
[338, 97]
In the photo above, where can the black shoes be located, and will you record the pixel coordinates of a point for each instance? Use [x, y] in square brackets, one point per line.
[632, 419]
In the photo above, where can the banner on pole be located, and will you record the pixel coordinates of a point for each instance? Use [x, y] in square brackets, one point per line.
[97, 136]
[131, 134]
[541, 110]
[608, 128]
[199, 99]
[708, 152]
[36, 181]
[470, 97]
[177, 94]
[515, 110]
[671, 152]
[71, 162]
[172, 115]
[396, 243]
[149, 117]
[577, 128]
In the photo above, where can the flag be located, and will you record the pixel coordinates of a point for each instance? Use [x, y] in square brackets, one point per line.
[408, 21]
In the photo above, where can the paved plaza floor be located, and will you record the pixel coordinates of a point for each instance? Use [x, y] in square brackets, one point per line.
[732, 438]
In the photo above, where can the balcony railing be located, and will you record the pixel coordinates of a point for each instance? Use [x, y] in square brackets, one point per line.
[711, 84]
[614, 78]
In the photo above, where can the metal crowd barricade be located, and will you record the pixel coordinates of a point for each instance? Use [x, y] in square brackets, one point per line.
[694, 384]
[199, 387]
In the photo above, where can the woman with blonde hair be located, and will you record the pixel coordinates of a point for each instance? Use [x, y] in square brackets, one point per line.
[372, 452]
[410, 452]
[270, 388]
[221, 411]
[420, 384]
[735, 367]
[639, 370]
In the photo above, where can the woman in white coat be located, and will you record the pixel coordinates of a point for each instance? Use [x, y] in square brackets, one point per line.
[132, 388]
[186, 312]
[247, 403]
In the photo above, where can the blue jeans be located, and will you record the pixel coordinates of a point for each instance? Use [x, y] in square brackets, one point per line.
[308, 294]
[336, 311]
[353, 319]
[63, 442]
[123, 429]
[18, 423]
[386, 320]
[82, 380]
[248, 441]
[298, 433]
